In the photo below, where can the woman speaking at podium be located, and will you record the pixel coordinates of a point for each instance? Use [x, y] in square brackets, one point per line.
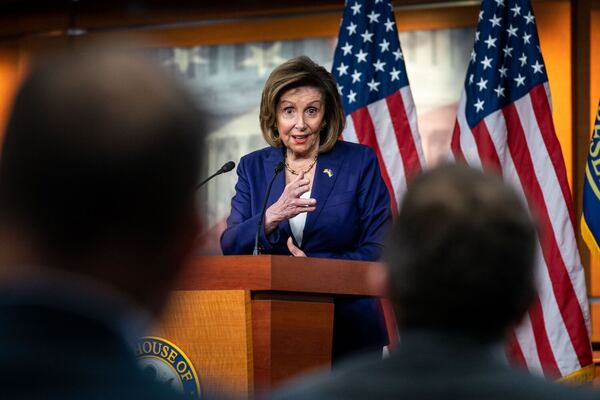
[330, 202]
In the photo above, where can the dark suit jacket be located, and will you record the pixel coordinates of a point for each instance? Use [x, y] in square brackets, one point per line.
[350, 221]
[52, 353]
[352, 213]
[432, 366]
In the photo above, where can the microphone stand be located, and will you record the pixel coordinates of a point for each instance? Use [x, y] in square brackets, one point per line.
[278, 169]
[219, 172]
[228, 166]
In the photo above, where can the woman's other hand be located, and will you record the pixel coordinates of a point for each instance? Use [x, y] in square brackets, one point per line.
[296, 252]
[289, 203]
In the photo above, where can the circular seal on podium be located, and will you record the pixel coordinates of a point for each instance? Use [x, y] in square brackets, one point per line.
[166, 363]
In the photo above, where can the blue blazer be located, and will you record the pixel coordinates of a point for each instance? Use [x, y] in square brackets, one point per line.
[352, 214]
[351, 219]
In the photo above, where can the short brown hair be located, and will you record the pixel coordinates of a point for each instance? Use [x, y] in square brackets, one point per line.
[301, 71]
[463, 240]
[79, 169]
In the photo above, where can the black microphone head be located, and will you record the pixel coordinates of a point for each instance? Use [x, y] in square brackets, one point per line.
[279, 167]
[228, 166]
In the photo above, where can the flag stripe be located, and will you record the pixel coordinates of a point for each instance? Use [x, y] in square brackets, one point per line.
[542, 111]
[573, 284]
[411, 114]
[563, 290]
[390, 322]
[525, 336]
[496, 126]
[506, 90]
[516, 351]
[548, 179]
[487, 150]
[485, 147]
[558, 336]
[365, 132]
[552, 336]
[368, 67]
[403, 131]
[542, 343]
[349, 133]
[387, 144]
[564, 207]
[467, 141]
[455, 143]
[554, 325]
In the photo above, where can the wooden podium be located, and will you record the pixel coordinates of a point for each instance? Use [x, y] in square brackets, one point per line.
[250, 322]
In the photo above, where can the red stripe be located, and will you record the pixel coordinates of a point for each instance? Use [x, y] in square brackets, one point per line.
[404, 137]
[514, 351]
[561, 283]
[540, 335]
[455, 143]
[485, 147]
[543, 115]
[390, 323]
[365, 132]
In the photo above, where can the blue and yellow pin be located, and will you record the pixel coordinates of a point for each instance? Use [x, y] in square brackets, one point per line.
[328, 172]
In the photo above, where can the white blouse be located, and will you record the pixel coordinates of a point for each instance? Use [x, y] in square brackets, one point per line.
[297, 223]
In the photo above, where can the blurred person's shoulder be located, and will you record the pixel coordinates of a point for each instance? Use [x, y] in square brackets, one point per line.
[395, 377]
[351, 380]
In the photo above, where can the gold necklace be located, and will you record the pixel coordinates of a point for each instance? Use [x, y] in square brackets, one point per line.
[293, 172]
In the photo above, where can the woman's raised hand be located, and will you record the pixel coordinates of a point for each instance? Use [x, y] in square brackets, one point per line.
[295, 250]
[289, 203]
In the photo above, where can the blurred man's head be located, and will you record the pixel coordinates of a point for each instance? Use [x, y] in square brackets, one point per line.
[98, 171]
[461, 254]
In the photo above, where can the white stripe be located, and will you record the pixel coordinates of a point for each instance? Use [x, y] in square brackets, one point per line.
[349, 132]
[525, 338]
[496, 126]
[579, 285]
[466, 139]
[411, 114]
[549, 184]
[548, 94]
[554, 200]
[558, 337]
[388, 146]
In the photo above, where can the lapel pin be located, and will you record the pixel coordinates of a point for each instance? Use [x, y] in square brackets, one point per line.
[328, 172]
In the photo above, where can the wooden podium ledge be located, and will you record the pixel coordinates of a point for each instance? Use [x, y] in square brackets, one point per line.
[279, 273]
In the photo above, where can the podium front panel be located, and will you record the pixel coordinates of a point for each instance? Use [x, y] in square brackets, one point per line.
[214, 329]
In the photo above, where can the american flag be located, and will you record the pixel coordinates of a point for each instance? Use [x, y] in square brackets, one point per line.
[368, 66]
[504, 123]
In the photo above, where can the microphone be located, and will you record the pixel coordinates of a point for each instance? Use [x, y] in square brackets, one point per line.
[278, 169]
[228, 166]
